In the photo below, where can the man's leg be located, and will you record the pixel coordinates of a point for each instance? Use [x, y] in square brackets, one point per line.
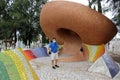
[56, 60]
[53, 65]
[52, 60]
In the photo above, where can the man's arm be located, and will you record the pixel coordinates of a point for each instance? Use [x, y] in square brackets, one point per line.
[49, 49]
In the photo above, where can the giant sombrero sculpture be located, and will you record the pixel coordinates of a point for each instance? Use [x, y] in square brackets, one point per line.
[73, 24]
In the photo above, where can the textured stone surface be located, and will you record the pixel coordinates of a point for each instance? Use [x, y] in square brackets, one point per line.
[72, 21]
[73, 24]
[67, 71]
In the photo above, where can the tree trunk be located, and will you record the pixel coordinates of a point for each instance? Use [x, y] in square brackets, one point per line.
[99, 6]
[6, 43]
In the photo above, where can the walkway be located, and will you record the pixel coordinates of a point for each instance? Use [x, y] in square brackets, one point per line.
[67, 71]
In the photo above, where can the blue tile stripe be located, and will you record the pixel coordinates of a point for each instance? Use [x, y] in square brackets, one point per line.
[112, 66]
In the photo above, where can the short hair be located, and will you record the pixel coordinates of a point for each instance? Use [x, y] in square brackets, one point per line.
[54, 38]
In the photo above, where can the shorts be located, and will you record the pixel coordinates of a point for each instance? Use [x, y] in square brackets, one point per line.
[54, 56]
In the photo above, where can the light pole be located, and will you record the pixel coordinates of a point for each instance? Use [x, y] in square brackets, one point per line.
[17, 43]
[17, 33]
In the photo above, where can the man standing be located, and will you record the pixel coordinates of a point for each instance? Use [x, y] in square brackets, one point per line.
[53, 48]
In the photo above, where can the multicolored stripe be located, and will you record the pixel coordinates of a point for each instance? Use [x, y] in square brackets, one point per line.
[10, 67]
[31, 69]
[18, 63]
[15, 66]
[95, 51]
[29, 54]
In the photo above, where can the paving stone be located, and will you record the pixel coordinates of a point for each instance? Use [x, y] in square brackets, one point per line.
[66, 71]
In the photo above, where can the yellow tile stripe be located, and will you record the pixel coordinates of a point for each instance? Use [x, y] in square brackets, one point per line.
[95, 51]
[19, 64]
[31, 69]
[25, 63]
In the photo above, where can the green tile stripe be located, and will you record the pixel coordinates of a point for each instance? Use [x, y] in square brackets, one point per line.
[3, 72]
[25, 62]
[10, 66]
[19, 64]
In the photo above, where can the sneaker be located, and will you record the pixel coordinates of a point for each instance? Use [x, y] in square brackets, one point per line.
[57, 66]
[53, 67]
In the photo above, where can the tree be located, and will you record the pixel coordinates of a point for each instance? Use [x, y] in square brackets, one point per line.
[114, 7]
[95, 2]
[27, 14]
[5, 22]
[21, 15]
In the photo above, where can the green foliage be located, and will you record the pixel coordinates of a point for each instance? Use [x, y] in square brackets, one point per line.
[5, 22]
[98, 2]
[114, 7]
[2, 5]
[44, 39]
[21, 15]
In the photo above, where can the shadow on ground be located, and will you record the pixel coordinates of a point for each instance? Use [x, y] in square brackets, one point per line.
[115, 56]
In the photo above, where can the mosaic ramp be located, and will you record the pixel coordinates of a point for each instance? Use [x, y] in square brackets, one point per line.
[40, 52]
[10, 67]
[15, 66]
[3, 72]
[26, 64]
[19, 65]
[29, 54]
[105, 65]
[44, 51]
[112, 66]
[35, 77]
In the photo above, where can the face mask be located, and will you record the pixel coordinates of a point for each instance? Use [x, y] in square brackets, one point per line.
[54, 40]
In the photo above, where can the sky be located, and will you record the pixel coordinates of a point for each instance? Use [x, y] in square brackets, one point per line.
[85, 2]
